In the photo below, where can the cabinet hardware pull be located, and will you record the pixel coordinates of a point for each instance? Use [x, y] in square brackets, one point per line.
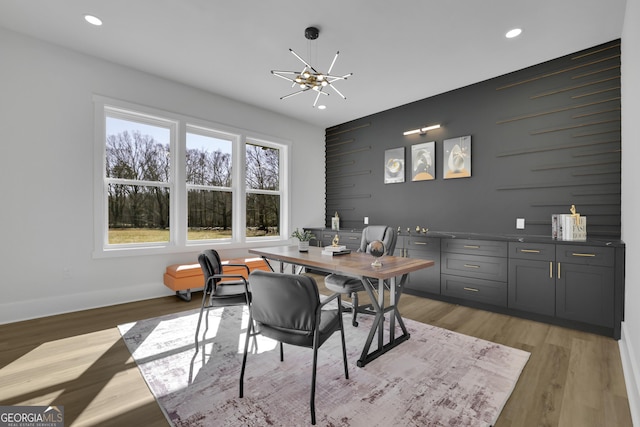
[420, 243]
[472, 289]
[471, 266]
[550, 269]
[579, 254]
[558, 270]
[354, 238]
[471, 247]
[530, 251]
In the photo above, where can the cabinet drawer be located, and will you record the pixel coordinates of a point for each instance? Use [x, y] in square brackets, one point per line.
[481, 267]
[485, 291]
[350, 239]
[585, 255]
[423, 243]
[475, 247]
[533, 251]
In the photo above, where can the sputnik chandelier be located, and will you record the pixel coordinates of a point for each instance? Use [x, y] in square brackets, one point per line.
[310, 78]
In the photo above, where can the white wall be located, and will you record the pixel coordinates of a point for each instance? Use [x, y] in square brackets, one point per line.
[46, 174]
[630, 342]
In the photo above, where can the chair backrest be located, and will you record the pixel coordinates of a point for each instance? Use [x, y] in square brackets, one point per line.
[288, 301]
[210, 264]
[386, 235]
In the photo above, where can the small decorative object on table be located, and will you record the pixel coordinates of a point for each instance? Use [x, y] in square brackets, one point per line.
[303, 239]
[335, 248]
[376, 249]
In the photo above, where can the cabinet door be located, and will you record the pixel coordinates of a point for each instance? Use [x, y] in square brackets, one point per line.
[585, 293]
[427, 279]
[422, 247]
[532, 286]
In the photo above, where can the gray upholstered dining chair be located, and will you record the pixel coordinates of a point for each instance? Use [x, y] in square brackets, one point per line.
[287, 308]
[220, 290]
[351, 286]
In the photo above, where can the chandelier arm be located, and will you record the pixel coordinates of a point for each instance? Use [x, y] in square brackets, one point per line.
[345, 77]
[303, 61]
[317, 97]
[284, 77]
[294, 93]
[276, 72]
[333, 62]
[337, 91]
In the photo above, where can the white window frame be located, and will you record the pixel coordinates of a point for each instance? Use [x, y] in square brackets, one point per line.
[177, 185]
[283, 177]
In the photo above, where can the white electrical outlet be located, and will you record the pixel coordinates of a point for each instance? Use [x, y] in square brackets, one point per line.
[520, 223]
[366, 220]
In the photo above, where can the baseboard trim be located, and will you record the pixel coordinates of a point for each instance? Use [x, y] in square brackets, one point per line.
[631, 374]
[17, 311]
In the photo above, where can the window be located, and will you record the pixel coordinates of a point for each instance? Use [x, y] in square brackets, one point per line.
[209, 190]
[138, 171]
[263, 189]
[168, 182]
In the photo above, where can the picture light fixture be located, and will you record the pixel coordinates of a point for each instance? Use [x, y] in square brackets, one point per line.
[422, 131]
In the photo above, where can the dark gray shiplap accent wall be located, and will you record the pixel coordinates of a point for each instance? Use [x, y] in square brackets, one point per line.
[543, 138]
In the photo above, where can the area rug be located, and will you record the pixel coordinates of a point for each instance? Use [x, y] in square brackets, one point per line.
[436, 378]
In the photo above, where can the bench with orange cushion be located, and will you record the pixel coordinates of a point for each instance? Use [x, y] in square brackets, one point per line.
[182, 278]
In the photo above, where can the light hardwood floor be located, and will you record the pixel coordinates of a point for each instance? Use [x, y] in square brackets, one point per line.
[79, 360]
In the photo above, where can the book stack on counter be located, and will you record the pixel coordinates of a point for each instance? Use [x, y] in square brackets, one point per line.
[335, 250]
[569, 227]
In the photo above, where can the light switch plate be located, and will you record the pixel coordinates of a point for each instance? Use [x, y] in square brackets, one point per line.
[520, 223]
[366, 220]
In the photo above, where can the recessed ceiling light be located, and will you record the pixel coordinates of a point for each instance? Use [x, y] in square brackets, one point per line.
[93, 20]
[513, 33]
[321, 107]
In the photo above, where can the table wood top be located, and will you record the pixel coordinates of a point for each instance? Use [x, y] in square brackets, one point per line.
[354, 264]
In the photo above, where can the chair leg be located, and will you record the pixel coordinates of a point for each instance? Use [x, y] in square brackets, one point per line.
[281, 352]
[354, 303]
[250, 330]
[204, 300]
[344, 350]
[312, 402]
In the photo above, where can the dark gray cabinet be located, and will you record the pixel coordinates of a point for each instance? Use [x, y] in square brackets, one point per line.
[426, 280]
[351, 239]
[585, 284]
[573, 284]
[532, 278]
[475, 270]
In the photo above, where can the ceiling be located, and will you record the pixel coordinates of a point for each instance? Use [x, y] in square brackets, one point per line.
[398, 52]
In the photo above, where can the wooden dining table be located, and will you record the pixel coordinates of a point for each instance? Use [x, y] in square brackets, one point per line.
[374, 278]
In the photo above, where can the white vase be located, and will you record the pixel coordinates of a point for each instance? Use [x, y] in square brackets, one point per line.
[303, 246]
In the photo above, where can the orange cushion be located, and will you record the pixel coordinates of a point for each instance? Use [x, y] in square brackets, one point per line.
[180, 277]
